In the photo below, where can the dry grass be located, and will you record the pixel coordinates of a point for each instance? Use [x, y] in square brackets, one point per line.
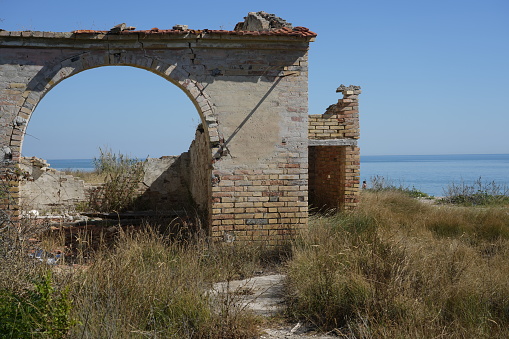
[146, 285]
[91, 177]
[396, 268]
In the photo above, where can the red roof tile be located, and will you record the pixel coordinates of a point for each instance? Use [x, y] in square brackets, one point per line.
[285, 31]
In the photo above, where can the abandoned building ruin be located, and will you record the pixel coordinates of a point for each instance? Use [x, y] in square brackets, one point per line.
[258, 162]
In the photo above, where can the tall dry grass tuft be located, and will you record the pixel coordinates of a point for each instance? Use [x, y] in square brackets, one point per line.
[477, 224]
[123, 176]
[400, 268]
[145, 284]
[149, 286]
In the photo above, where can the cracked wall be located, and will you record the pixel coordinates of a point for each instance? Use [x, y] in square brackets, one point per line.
[249, 88]
[45, 189]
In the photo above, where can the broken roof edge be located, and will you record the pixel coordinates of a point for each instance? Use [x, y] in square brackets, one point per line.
[194, 34]
[285, 31]
[255, 24]
[303, 36]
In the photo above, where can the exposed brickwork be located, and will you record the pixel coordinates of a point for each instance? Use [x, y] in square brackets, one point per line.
[334, 158]
[249, 88]
[10, 176]
[340, 121]
[271, 202]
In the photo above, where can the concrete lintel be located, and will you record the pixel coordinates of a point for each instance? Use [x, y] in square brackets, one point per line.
[98, 43]
[205, 40]
[332, 142]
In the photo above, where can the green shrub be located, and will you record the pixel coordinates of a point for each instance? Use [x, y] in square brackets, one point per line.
[379, 183]
[477, 193]
[43, 312]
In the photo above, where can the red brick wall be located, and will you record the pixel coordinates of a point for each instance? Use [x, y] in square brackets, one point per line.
[333, 177]
[334, 158]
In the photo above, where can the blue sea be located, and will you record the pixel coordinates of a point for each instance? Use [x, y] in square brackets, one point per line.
[431, 174]
[85, 165]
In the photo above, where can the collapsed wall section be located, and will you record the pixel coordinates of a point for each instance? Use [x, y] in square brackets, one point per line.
[334, 158]
[169, 184]
[45, 189]
[164, 186]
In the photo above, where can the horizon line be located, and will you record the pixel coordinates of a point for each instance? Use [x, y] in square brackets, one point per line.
[369, 155]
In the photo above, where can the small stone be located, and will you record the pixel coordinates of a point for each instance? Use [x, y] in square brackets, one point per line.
[118, 28]
[180, 27]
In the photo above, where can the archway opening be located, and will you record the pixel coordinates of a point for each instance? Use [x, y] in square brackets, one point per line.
[127, 112]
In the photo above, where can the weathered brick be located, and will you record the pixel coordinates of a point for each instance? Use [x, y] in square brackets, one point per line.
[245, 169]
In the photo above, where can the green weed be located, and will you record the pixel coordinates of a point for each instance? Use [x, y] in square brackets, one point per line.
[42, 312]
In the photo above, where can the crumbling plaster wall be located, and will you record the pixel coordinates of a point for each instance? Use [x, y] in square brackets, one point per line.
[48, 190]
[164, 185]
[250, 90]
[179, 183]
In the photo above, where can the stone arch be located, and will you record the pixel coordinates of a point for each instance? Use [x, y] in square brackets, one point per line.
[41, 85]
[48, 78]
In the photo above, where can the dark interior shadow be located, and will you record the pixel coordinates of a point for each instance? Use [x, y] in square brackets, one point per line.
[168, 189]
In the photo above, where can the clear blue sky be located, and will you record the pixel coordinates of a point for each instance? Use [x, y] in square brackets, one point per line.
[434, 74]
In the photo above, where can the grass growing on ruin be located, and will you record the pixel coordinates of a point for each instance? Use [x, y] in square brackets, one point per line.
[397, 268]
[118, 176]
[145, 284]
[148, 286]
[393, 268]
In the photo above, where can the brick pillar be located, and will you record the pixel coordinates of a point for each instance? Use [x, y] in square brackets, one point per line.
[334, 158]
[348, 115]
[9, 191]
[348, 110]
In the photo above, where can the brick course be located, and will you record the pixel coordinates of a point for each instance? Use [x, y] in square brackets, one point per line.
[334, 158]
[250, 90]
